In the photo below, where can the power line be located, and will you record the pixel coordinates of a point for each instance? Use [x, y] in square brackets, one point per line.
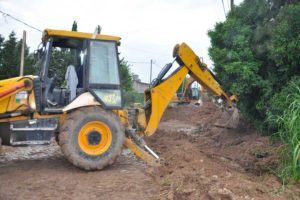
[145, 62]
[8, 15]
[138, 62]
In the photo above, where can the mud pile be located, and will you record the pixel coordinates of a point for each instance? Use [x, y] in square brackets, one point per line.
[201, 161]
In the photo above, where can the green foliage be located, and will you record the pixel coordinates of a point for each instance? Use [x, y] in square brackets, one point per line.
[126, 76]
[99, 29]
[285, 47]
[74, 26]
[60, 59]
[289, 133]
[256, 53]
[129, 95]
[10, 57]
[281, 100]
[256, 56]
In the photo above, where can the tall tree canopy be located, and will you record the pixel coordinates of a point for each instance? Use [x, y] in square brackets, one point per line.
[256, 54]
[126, 75]
[10, 57]
[74, 26]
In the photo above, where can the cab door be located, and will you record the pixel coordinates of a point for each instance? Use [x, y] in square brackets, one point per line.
[103, 76]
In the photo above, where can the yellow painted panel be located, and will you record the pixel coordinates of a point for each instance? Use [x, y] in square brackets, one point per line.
[123, 116]
[161, 95]
[73, 34]
[201, 75]
[9, 102]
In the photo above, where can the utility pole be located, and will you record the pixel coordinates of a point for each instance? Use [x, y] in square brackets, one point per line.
[151, 62]
[22, 54]
[231, 4]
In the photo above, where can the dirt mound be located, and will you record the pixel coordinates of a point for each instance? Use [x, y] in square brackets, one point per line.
[202, 161]
[244, 145]
[192, 114]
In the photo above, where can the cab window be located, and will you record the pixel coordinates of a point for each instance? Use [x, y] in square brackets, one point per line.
[103, 63]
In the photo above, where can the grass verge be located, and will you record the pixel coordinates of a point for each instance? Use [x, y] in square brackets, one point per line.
[289, 133]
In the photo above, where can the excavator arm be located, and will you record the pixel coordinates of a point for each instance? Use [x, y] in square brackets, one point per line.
[186, 57]
[162, 90]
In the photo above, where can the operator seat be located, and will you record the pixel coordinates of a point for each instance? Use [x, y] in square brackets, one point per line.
[72, 81]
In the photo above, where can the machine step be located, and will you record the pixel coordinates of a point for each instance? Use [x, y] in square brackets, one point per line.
[36, 131]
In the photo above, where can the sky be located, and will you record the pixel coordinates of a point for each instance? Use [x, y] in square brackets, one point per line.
[149, 28]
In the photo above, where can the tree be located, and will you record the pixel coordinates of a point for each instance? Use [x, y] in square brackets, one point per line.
[256, 52]
[99, 29]
[126, 76]
[74, 26]
[10, 55]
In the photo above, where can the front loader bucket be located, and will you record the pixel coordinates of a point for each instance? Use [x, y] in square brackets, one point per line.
[229, 119]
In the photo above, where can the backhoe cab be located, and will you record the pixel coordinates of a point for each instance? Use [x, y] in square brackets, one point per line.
[77, 98]
[73, 63]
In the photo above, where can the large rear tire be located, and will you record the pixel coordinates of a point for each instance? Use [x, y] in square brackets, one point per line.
[91, 138]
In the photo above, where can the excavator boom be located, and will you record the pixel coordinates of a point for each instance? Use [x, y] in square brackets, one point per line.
[186, 57]
[161, 92]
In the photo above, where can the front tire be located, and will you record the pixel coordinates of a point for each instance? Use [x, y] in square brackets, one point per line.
[91, 138]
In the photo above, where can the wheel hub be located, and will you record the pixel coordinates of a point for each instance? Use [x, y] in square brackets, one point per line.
[94, 138]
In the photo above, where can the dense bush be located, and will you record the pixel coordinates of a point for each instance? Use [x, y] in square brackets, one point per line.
[256, 53]
[281, 102]
[256, 56]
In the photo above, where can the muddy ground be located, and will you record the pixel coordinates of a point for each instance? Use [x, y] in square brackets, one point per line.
[199, 161]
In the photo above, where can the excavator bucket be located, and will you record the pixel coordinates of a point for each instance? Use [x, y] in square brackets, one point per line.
[229, 119]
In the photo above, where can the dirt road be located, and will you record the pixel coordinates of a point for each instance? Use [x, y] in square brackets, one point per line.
[199, 161]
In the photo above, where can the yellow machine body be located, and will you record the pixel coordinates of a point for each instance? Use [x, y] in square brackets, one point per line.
[17, 101]
[16, 98]
[74, 34]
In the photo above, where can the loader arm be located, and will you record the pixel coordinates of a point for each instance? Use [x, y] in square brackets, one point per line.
[162, 91]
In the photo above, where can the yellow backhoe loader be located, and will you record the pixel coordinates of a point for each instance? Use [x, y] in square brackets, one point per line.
[188, 94]
[83, 108]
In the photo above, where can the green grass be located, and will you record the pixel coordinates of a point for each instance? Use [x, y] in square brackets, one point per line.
[289, 133]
